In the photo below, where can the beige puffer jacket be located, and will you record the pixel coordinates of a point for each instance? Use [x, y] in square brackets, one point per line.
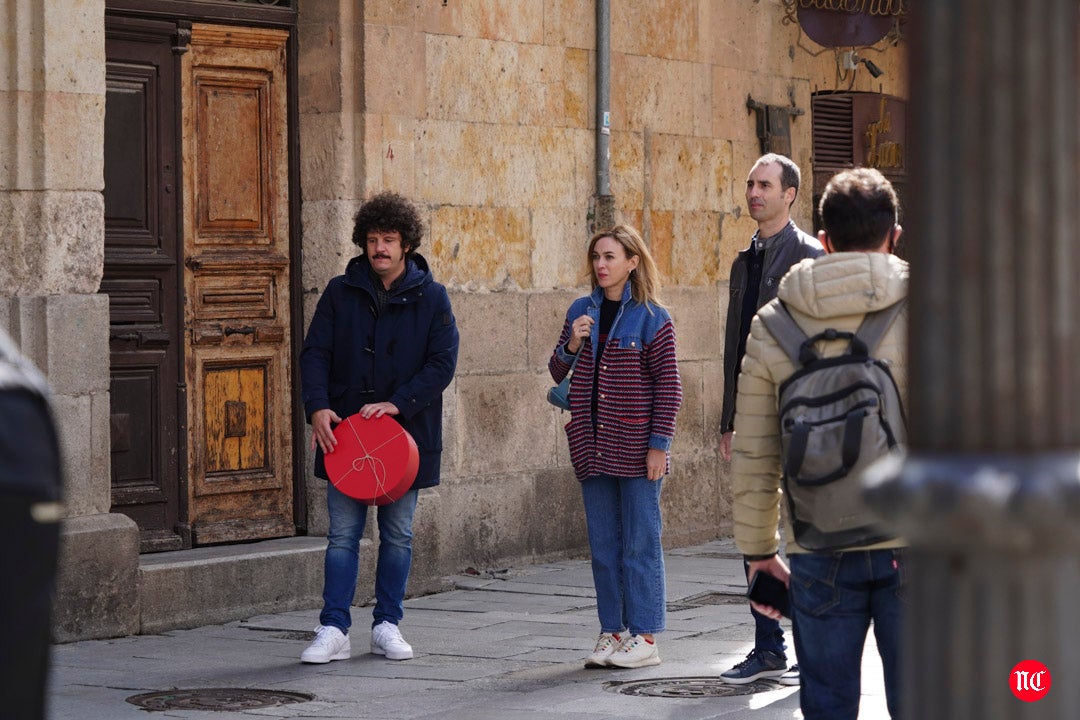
[834, 291]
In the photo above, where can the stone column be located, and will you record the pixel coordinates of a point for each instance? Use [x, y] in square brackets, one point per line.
[990, 493]
[52, 110]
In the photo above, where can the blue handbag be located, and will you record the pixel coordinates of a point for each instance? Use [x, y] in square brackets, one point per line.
[559, 396]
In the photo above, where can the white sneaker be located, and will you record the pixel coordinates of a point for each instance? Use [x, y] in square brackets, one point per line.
[635, 652]
[330, 644]
[386, 640]
[606, 644]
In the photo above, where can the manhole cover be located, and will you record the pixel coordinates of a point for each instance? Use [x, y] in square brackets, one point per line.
[283, 634]
[689, 687]
[217, 699]
[715, 598]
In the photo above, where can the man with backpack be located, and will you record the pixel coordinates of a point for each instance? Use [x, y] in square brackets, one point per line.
[819, 399]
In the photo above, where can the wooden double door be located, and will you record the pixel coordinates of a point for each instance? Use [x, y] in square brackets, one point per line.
[197, 269]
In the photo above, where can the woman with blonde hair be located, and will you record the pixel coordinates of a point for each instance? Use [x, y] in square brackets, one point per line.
[624, 395]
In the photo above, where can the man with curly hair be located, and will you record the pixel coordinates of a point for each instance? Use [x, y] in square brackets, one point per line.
[383, 341]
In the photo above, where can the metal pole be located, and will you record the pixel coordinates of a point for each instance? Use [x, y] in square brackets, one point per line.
[990, 493]
[605, 201]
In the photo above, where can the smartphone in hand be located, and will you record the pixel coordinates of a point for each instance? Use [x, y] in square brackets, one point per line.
[766, 589]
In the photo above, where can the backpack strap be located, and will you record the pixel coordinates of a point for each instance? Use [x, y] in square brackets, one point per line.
[789, 336]
[876, 324]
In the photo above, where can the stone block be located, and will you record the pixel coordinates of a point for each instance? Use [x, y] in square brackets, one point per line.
[390, 12]
[696, 254]
[475, 80]
[518, 21]
[328, 247]
[75, 26]
[560, 239]
[397, 157]
[712, 376]
[704, 118]
[689, 424]
[546, 314]
[97, 590]
[691, 501]
[53, 243]
[493, 332]
[327, 161]
[394, 70]
[22, 165]
[23, 37]
[497, 520]
[76, 329]
[557, 499]
[687, 173]
[628, 169]
[83, 427]
[214, 585]
[742, 36]
[579, 100]
[481, 247]
[507, 424]
[320, 72]
[570, 24]
[329, 11]
[659, 28]
[653, 93]
[73, 125]
[503, 165]
[453, 455]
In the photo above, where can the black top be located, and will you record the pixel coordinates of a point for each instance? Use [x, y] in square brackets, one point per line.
[608, 310]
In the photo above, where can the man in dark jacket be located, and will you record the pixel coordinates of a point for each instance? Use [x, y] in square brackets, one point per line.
[771, 188]
[383, 341]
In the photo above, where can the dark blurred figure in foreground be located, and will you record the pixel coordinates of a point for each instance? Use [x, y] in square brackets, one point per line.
[30, 510]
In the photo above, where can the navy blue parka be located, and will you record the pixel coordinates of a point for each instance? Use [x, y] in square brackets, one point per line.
[353, 356]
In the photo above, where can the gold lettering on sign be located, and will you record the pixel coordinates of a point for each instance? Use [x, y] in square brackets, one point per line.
[880, 8]
[884, 154]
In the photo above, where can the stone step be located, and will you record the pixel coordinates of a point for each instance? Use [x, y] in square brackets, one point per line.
[213, 585]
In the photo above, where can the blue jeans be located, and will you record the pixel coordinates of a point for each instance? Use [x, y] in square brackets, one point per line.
[342, 562]
[623, 518]
[768, 635]
[834, 598]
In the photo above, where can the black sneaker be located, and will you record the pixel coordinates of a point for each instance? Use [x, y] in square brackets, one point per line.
[757, 665]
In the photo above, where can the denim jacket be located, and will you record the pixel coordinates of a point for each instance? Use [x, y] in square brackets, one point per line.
[639, 389]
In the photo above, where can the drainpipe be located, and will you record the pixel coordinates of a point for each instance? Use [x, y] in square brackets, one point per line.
[604, 209]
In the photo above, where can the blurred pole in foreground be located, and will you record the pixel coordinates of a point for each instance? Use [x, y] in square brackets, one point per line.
[30, 487]
[989, 495]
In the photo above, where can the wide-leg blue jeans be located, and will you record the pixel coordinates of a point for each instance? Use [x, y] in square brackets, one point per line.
[342, 562]
[834, 598]
[623, 518]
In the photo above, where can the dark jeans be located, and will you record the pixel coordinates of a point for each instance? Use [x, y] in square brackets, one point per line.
[768, 635]
[834, 598]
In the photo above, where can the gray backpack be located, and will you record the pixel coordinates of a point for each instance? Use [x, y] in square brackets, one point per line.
[837, 415]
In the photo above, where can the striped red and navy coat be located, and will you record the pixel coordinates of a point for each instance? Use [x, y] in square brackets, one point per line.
[639, 394]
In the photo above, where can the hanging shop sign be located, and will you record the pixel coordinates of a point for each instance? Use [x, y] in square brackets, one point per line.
[845, 23]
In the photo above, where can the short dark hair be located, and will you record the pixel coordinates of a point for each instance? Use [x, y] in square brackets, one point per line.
[858, 209]
[790, 175]
[388, 211]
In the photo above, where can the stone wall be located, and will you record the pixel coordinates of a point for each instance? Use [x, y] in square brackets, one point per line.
[483, 112]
